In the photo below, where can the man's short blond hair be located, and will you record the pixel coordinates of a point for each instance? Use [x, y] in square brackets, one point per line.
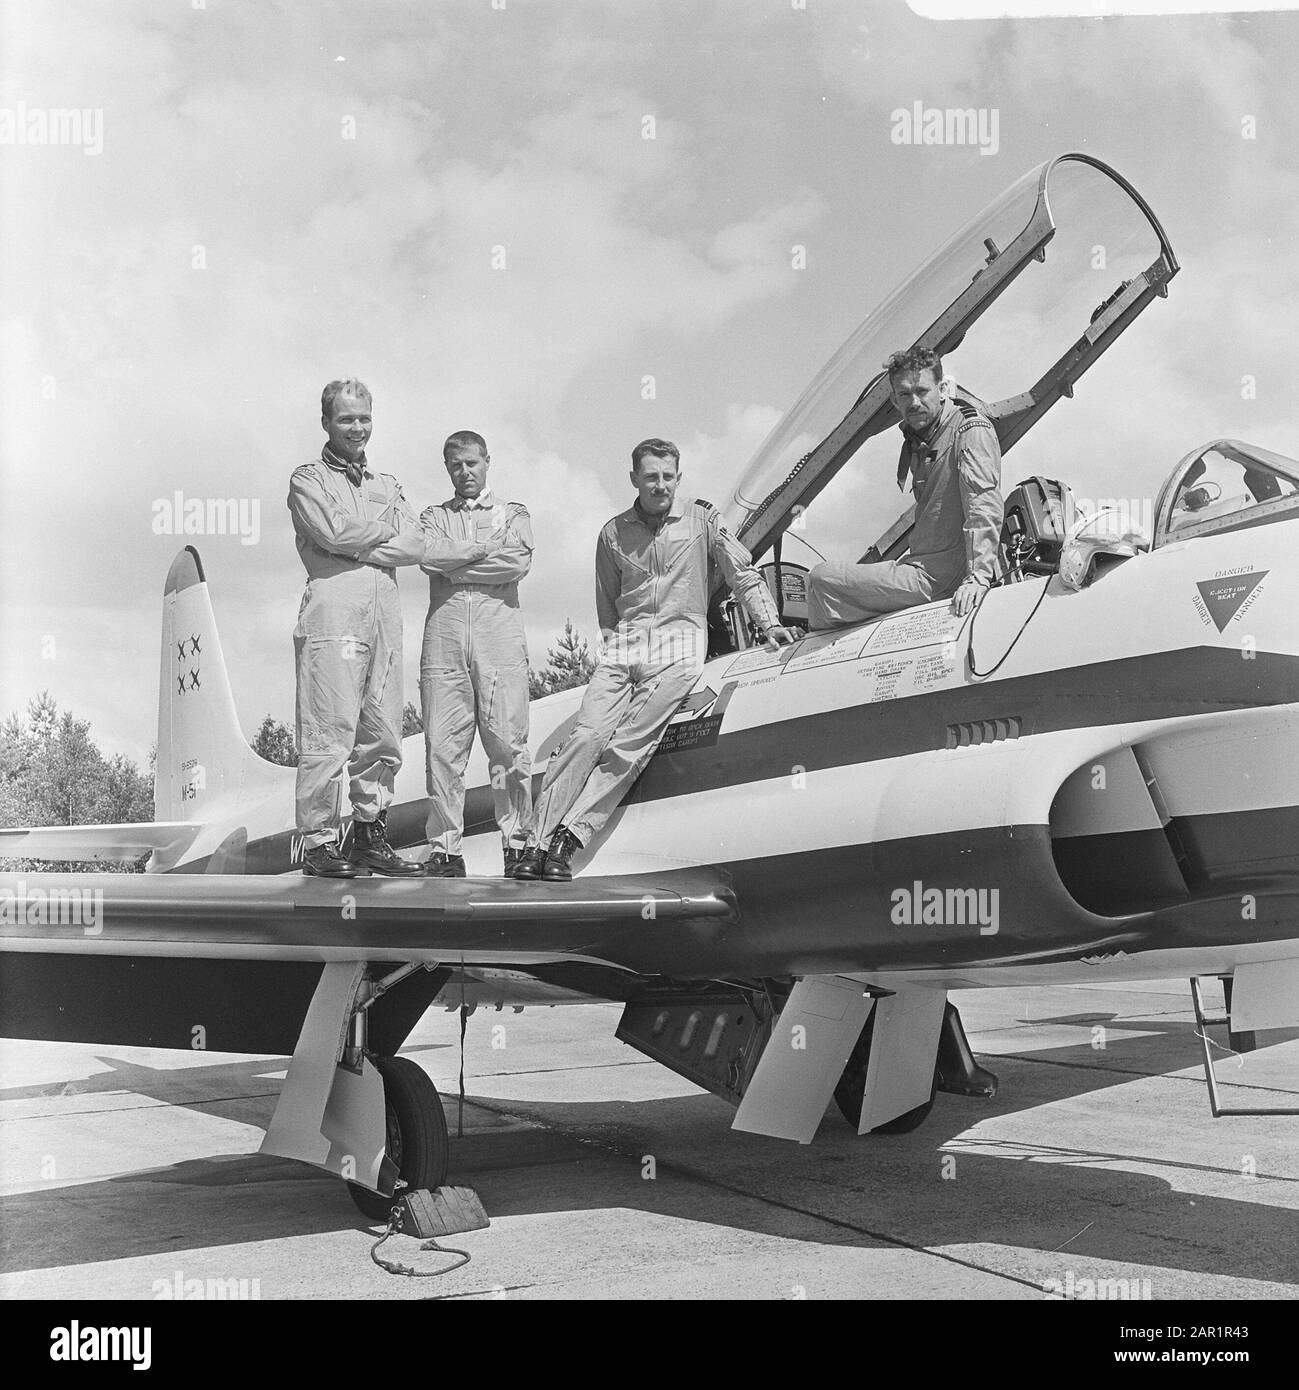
[348, 386]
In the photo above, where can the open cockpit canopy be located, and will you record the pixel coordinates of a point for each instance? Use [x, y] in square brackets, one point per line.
[1095, 256]
[1225, 486]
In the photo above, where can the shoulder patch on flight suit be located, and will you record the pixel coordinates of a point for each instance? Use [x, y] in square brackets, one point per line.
[707, 506]
[973, 417]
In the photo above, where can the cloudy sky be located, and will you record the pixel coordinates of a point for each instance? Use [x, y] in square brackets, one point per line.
[505, 215]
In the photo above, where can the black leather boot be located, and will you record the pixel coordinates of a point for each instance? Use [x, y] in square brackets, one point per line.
[563, 846]
[531, 862]
[371, 850]
[325, 862]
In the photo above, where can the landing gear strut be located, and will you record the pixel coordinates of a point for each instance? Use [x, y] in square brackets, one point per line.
[417, 1134]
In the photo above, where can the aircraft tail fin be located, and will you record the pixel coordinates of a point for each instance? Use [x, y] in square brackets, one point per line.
[203, 756]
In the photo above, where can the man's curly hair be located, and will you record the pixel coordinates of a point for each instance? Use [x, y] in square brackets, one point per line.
[916, 359]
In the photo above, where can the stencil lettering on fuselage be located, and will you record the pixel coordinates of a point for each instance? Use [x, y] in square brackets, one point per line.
[1227, 595]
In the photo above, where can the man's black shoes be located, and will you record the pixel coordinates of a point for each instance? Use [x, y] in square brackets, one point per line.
[563, 846]
[549, 863]
[440, 865]
[513, 858]
[372, 853]
[530, 863]
[326, 862]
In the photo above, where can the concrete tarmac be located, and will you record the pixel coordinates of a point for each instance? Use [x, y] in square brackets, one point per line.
[132, 1174]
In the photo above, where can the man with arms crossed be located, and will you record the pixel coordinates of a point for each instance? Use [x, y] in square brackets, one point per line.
[352, 527]
[950, 449]
[473, 670]
[651, 595]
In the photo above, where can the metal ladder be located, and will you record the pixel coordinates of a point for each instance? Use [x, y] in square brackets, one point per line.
[1236, 1043]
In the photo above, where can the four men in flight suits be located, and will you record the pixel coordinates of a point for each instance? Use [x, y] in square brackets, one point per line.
[653, 564]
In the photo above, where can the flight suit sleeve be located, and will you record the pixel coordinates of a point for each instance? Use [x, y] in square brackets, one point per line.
[407, 546]
[321, 518]
[442, 554]
[978, 466]
[737, 567]
[608, 584]
[507, 562]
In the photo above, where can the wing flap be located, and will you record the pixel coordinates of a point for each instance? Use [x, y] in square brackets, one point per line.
[86, 842]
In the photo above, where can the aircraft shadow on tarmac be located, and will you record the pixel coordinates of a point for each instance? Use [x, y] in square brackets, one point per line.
[588, 1155]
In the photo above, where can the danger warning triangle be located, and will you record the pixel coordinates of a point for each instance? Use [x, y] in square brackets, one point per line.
[1223, 597]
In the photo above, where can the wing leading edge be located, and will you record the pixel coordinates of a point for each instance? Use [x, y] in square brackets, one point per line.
[226, 916]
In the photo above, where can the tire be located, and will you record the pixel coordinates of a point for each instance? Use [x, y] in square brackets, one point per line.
[417, 1134]
[848, 1092]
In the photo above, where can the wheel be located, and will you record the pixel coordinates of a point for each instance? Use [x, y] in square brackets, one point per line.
[417, 1133]
[848, 1093]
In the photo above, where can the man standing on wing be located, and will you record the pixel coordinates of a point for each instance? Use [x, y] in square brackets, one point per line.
[950, 449]
[352, 527]
[473, 670]
[651, 596]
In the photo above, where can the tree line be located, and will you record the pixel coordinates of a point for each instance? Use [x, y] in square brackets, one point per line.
[53, 773]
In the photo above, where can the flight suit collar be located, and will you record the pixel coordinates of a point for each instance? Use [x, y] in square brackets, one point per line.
[356, 472]
[674, 513]
[484, 502]
[916, 445]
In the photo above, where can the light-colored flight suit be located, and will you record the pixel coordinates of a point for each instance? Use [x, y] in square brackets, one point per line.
[473, 670]
[956, 480]
[651, 595]
[352, 528]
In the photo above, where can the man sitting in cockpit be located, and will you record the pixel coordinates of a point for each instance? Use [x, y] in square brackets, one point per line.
[950, 449]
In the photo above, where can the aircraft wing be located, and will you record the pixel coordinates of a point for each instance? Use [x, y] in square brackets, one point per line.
[294, 917]
[85, 842]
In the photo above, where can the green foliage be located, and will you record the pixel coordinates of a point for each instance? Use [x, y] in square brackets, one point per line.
[274, 742]
[569, 663]
[53, 773]
[411, 722]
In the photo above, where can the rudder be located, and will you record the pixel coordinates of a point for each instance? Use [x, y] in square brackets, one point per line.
[203, 756]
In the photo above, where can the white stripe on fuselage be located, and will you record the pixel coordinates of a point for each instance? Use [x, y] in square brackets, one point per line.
[1142, 608]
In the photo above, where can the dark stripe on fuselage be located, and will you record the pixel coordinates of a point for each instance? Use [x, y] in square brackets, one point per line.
[838, 909]
[1161, 685]
[1165, 685]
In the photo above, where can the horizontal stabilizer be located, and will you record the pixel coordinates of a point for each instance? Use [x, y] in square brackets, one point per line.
[83, 842]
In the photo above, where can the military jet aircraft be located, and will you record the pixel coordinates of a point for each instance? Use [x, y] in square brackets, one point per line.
[1093, 777]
